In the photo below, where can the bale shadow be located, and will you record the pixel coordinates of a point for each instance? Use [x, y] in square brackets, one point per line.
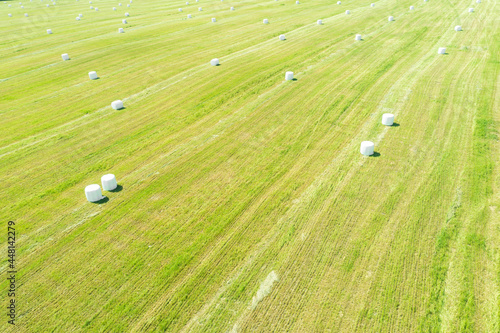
[294, 79]
[102, 201]
[375, 154]
[117, 189]
[395, 124]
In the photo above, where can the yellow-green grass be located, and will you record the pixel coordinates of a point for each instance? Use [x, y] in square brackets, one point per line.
[230, 172]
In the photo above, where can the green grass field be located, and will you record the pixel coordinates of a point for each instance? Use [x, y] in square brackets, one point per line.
[246, 205]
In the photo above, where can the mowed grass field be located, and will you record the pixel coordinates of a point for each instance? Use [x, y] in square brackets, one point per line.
[246, 205]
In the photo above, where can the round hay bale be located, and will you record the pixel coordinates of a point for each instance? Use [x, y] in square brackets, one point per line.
[388, 119]
[109, 182]
[93, 193]
[367, 148]
[117, 105]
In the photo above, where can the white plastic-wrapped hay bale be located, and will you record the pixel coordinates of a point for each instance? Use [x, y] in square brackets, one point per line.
[109, 182]
[124, 21]
[180, 10]
[10, 15]
[80, 15]
[339, 3]
[367, 148]
[22, 7]
[121, 31]
[127, 14]
[391, 18]
[187, 3]
[458, 28]
[189, 16]
[49, 31]
[26, 15]
[96, 9]
[282, 37]
[358, 37]
[320, 22]
[348, 12]
[200, 9]
[442, 50]
[478, 1]
[214, 62]
[114, 8]
[214, 20]
[119, 4]
[78, 18]
[289, 76]
[388, 119]
[65, 56]
[372, 5]
[297, 3]
[91, 7]
[412, 8]
[128, 5]
[93, 75]
[93, 193]
[471, 10]
[265, 21]
[232, 8]
[117, 105]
